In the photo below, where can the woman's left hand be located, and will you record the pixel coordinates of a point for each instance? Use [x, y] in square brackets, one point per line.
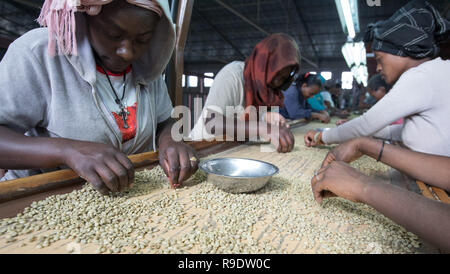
[347, 152]
[178, 160]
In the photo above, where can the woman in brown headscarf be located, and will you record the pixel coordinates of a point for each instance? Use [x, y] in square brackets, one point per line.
[248, 89]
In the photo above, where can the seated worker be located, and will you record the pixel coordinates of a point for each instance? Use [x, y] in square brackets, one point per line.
[330, 105]
[335, 90]
[367, 101]
[243, 86]
[421, 90]
[316, 101]
[295, 104]
[356, 98]
[88, 90]
[378, 89]
[424, 217]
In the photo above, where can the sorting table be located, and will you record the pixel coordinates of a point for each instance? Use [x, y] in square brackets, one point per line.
[285, 218]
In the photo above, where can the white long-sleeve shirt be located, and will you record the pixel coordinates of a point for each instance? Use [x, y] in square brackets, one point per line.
[422, 96]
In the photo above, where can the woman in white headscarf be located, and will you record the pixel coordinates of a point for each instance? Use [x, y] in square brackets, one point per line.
[87, 90]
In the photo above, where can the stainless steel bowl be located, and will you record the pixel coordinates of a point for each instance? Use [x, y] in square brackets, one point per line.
[236, 175]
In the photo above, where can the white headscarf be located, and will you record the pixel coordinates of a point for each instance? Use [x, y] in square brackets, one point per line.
[58, 16]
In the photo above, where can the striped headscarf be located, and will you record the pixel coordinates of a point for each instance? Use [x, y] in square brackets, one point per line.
[59, 17]
[413, 31]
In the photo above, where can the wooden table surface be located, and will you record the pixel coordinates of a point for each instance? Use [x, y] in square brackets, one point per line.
[296, 167]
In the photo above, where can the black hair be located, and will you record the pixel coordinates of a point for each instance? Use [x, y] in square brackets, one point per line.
[330, 84]
[309, 79]
[376, 81]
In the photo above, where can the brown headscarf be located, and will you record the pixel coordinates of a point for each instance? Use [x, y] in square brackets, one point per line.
[269, 57]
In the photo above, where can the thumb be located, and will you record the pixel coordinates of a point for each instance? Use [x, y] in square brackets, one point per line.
[328, 159]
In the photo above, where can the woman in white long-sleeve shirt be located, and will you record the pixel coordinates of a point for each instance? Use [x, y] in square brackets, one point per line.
[406, 55]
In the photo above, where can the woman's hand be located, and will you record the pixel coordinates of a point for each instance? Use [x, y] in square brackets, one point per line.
[346, 152]
[275, 118]
[103, 166]
[341, 122]
[313, 138]
[283, 139]
[324, 118]
[338, 179]
[178, 160]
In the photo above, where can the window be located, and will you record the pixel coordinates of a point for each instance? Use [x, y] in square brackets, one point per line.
[327, 75]
[347, 80]
[208, 81]
[313, 72]
[192, 81]
[183, 80]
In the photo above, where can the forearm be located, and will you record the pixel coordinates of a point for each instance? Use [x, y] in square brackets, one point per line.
[434, 170]
[377, 118]
[391, 132]
[236, 129]
[164, 132]
[21, 152]
[299, 113]
[426, 218]
[316, 115]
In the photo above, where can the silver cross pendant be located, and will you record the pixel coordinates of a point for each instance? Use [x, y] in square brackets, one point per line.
[124, 113]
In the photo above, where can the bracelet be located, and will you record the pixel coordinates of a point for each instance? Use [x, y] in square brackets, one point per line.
[316, 137]
[381, 152]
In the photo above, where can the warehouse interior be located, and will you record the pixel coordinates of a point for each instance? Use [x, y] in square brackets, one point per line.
[222, 31]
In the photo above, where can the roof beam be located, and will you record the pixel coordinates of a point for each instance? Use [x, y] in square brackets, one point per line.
[14, 35]
[29, 4]
[238, 14]
[308, 34]
[221, 34]
[446, 10]
[196, 53]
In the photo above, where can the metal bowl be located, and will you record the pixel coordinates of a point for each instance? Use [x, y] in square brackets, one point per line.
[236, 175]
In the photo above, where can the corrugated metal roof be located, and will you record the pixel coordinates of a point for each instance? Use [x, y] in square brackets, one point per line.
[218, 36]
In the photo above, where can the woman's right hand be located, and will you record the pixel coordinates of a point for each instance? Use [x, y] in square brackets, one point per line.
[313, 138]
[341, 122]
[103, 166]
[283, 139]
[275, 118]
[341, 180]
